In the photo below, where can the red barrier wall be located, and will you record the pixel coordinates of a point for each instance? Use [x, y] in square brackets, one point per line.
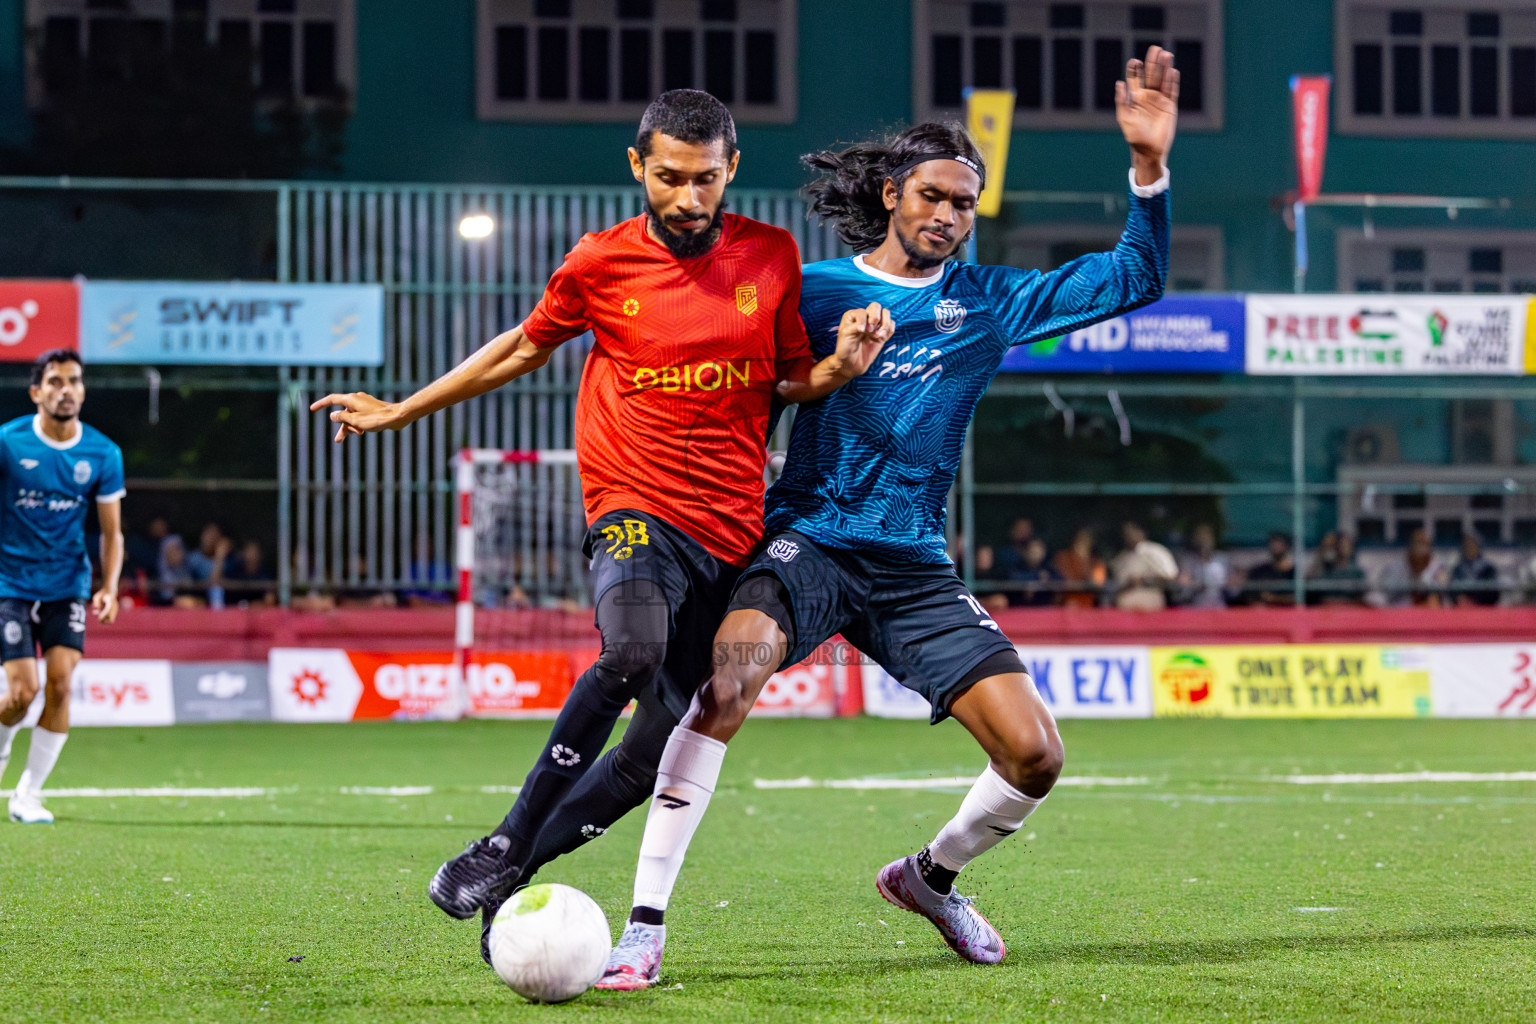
[247, 635]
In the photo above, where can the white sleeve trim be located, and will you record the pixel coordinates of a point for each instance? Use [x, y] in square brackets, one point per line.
[1157, 188]
[117, 495]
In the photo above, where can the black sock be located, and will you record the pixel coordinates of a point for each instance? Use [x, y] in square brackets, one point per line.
[939, 878]
[602, 796]
[647, 915]
[575, 741]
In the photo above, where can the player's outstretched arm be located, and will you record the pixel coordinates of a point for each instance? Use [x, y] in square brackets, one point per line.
[104, 601]
[505, 357]
[860, 336]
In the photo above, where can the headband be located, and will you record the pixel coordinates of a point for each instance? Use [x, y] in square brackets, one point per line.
[923, 158]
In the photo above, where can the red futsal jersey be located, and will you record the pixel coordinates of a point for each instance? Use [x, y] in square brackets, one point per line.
[673, 409]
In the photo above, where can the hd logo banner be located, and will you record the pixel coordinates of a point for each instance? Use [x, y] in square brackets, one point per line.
[1179, 334]
[170, 322]
[1292, 681]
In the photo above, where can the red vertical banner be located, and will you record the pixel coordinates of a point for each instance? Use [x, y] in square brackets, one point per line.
[36, 316]
[1309, 96]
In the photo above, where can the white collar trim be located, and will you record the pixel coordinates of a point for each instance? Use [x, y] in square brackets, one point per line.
[900, 282]
[63, 446]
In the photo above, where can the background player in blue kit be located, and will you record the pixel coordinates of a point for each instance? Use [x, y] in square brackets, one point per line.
[51, 467]
[854, 539]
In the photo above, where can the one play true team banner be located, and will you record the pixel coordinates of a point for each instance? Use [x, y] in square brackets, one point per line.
[1386, 334]
[178, 322]
[1292, 681]
[1179, 334]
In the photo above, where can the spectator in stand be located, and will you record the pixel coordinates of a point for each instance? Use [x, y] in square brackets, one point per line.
[1013, 556]
[1041, 583]
[1473, 568]
[1334, 578]
[248, 583]
[176, 588]
[207, 563]
[362, 595]
[1413, 580]
[1273, 583]
[1203, 571]
[1082, 572]
[1143, 572]
[141, 551]
[986, 569]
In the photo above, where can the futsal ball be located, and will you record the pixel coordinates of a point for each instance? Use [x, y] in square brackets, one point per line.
[550, 943]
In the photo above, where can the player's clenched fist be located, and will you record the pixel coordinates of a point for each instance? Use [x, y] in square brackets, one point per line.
[360, 413]
[861, 335]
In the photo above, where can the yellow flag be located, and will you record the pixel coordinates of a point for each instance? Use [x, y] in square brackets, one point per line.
[989, 113]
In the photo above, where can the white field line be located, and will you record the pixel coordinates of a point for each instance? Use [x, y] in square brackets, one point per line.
[951, 782]
[223, 792]
[1348, 779]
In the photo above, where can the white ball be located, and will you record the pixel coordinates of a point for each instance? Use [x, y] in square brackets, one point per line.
[550, 943]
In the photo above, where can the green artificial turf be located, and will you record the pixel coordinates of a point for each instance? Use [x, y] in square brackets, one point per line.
[1172, 900]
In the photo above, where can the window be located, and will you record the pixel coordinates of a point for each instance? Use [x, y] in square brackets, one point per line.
[300, 49]
[1486, 262]
[1062, 59]
[1462, 68]
[1196, 257]
[604, 60]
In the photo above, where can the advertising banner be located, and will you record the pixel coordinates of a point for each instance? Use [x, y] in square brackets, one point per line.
[989, 116]
[220, 691]
[810, 689]
[1309, 99]
[121, 693]
[239, 324]
[1292, 681]
[1179, 334]
[36, 316]
[1386, 334]
[328, 685]
[1074, 682]
[1484, 680]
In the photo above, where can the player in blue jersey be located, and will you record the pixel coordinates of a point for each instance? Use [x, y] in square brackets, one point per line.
[855, 526]
[52, 467]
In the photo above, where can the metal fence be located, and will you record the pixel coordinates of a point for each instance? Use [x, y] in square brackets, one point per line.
[376, 511]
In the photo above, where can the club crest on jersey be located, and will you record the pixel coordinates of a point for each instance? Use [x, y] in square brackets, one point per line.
[948, 315]
[13, 632]
[746, 299]
[82, 471]
[783, 550]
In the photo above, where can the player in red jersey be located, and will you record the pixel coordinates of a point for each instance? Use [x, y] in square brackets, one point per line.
[695, 314]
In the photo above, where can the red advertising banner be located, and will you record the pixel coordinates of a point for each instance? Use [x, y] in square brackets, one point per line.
[36, 316]
[1309, 96]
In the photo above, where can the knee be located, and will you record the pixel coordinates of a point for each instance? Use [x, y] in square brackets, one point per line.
[1032, 761]
[631, 664]
[21, 694]
[731, 692]
[56, 689]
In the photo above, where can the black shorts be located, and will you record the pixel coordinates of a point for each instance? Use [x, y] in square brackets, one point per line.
[917, 620]
[27, 627]
[627, 545]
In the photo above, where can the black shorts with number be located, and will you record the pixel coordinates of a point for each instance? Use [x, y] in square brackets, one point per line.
[917, 620]
[627, 545]
[27, 627]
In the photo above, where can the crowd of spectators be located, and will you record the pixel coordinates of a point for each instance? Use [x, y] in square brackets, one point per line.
[1144, 575]
[160, 570]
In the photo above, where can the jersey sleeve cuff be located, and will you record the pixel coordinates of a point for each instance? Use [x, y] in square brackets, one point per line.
[114, 496]
[1157, 188]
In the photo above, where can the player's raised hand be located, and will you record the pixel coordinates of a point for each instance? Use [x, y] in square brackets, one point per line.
[1147, 105]
[104, 605]
[360, 413]
[861, 335]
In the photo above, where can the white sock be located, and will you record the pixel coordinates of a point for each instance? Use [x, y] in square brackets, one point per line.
[690, 767]
[991, 812]
[46, 745]
[7, 734]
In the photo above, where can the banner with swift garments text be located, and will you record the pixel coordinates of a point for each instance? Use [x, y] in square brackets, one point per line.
[235, 324]
[1292, 681]
[1386, 334]
[1177, 334]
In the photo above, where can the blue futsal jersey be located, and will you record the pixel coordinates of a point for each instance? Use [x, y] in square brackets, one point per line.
[870, 466]
[47, 486]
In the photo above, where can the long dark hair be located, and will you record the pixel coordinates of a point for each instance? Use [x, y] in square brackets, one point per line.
[848, 191]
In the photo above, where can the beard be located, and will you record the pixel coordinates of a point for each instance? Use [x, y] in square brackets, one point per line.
[686, 245]
[924, 260]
